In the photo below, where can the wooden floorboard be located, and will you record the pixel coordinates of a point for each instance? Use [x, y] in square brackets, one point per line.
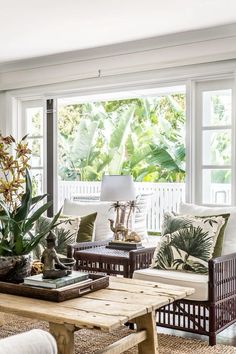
[227, 337]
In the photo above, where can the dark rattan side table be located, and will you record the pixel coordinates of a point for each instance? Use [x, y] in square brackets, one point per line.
[97, 258]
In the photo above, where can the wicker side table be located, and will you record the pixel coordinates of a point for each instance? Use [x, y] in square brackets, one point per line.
[111, 261]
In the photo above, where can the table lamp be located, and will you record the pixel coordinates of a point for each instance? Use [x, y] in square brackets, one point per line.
[121, 191]
[117, 188]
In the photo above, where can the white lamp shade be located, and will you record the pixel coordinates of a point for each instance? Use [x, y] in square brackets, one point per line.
[117, 188]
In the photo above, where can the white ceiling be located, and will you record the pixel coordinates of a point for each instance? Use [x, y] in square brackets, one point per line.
[31, 28]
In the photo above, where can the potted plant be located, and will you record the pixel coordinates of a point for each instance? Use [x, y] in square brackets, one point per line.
[18, 211]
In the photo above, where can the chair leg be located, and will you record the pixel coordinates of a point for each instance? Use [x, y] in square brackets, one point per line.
[212, 339]
[212, 325]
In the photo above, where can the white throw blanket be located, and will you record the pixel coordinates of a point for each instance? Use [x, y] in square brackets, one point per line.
[35, 341]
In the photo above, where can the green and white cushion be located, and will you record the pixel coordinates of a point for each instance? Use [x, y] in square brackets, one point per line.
[187, 243]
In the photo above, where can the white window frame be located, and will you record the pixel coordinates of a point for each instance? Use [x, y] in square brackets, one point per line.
[188, 75]
[204, 86]
[22, 131]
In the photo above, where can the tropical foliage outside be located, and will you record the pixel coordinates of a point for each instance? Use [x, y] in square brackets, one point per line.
[143, 137]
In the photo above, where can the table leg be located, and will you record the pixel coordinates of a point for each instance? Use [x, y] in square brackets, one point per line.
[148, 322]
[64, 335]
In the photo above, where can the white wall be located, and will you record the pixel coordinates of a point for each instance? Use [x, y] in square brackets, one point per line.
[178, 50]
[3, 114]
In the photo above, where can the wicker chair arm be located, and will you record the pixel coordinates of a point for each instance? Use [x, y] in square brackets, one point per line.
[224, 258]
[72, 248]
[222, 277]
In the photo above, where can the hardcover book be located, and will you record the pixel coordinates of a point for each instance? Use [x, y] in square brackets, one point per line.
[37, 280]
[125, 246]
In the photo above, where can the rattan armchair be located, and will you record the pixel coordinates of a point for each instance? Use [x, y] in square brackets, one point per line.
[208, 317]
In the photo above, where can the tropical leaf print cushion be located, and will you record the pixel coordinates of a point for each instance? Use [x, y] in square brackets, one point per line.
[187, 243]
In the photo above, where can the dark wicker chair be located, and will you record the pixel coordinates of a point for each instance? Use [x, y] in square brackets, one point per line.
[206, 318]
[209, 317]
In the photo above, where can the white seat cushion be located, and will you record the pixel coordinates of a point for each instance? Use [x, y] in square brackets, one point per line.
[229, 244]
[191, 280]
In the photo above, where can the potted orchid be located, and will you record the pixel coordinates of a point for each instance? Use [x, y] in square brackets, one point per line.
[18, 211]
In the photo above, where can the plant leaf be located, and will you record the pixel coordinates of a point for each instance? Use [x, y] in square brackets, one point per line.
[23, 210]
[30, 221]
[38, 198]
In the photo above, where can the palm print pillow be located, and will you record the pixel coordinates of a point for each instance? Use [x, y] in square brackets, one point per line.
[187, 243]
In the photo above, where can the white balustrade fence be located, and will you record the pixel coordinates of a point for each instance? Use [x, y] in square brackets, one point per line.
[163, 196]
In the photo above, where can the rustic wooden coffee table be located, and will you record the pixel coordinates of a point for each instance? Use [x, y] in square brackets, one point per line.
[107, 309]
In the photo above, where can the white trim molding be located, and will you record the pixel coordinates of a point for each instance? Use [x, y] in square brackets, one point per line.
[187, 48]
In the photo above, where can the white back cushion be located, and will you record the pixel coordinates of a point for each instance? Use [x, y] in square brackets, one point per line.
[140, 219]
[103, 210]
[140, 215]
[229, 245]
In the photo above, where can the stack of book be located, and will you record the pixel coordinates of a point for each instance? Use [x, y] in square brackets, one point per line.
[74, 278]
[124, 245]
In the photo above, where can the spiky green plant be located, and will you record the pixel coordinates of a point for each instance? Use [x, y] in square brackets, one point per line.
[64, 237]
[16, 236]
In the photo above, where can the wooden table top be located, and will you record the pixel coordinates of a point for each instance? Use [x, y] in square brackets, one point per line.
[106, 309]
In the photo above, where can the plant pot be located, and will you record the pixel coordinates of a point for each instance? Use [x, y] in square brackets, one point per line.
[14, 269]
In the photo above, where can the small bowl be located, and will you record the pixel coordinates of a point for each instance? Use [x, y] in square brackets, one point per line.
[68, 262]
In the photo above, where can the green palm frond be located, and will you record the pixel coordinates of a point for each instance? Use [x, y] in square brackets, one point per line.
[193, 241]
[196, 267]
[172, 223]
[64, 237]
[164, 257]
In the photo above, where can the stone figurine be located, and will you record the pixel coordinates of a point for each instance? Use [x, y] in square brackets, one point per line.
[53, 268]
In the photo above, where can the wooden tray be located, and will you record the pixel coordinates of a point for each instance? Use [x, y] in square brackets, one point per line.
[57, 295]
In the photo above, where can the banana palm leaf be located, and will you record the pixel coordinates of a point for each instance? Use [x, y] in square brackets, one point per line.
[161, 157]
[84, 140]
[118, 140]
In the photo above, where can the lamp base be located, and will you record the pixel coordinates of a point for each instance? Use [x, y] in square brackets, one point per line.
[124, 246]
